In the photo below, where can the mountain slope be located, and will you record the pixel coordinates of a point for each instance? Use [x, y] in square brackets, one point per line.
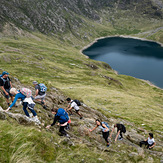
[54, 16]
[23, 141]
[41, 40]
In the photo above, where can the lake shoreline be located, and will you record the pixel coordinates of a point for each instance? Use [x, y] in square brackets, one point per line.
[123, 36]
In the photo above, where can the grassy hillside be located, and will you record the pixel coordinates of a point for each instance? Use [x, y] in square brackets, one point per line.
[58, 64]
[55, 62]
[55, 59]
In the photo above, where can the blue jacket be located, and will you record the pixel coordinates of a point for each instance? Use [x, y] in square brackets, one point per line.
[61, 117]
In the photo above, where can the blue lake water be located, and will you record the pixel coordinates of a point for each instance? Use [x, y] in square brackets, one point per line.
[137, 58]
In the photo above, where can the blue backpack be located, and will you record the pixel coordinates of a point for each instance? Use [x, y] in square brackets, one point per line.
[63, 115]
[106, 124]
[43, 88]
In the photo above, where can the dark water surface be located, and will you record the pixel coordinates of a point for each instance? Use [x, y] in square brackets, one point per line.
[141, 59]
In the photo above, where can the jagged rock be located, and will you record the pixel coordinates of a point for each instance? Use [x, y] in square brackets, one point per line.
[161, 161]
[140, 151]
[83, 130]
[92, 66]
[111, 79]
[68, 141]
[22, 119]
[133, 154]
[100, 159]
[150, 160]
[134, 137]
[2, 115]
[65, 16]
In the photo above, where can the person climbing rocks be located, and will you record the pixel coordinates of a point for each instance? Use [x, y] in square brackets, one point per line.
[105, 130]
[120, 129]
[6, 85]
[40, 93]
[74, 104]
[62, 117]
[27, 102]
[149, 142]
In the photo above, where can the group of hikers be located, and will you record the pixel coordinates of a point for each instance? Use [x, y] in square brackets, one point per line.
[60, 115]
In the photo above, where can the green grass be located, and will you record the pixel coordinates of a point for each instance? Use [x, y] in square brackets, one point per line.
[62, 66]
[57, 62]
[29, 144]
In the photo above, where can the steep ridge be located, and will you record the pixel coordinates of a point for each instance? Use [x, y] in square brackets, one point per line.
[79, 132]
[55, 16]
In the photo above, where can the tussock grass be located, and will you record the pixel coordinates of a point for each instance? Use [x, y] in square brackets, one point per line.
[58, 63]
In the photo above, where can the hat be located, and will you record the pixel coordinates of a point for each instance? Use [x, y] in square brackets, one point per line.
[35, 82]
[4, 73]
[13, 91]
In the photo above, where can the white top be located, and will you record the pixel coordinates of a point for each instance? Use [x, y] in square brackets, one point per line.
[150, 141]
[74, 105]
[29, 100]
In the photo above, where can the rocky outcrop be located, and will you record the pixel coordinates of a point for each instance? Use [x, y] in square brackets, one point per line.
[52, 16]
[22, 119]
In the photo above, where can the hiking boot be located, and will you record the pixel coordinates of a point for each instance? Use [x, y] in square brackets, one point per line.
[67, 135]
[107, 145]
[120, 139]
[42, 102]
[36, 119]
[45, 107]
[67, 127]
[81, 117]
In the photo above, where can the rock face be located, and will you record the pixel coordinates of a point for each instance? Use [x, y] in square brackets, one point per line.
[52, 16]
[2, 115]
[22, 119]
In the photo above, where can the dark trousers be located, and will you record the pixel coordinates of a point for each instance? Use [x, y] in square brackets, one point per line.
[121, 136]
[7, 96]
[145, 143]
[25, 104]
[62, 130]
[105, 136]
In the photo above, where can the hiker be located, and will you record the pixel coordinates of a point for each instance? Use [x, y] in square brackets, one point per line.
[6, 85]
[62, 117]
[74, 104]
[120, 129]
[27, 102]
[149, 142]
[40, 93]
[105, 130]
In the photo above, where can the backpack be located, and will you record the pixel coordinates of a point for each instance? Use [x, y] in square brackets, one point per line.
[4, 79]
[63, 115]
[123, 129]
[26, 92]
[77, 102]
[43, 88]
[106, 124]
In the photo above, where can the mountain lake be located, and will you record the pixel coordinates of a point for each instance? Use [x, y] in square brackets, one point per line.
[128, 56]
